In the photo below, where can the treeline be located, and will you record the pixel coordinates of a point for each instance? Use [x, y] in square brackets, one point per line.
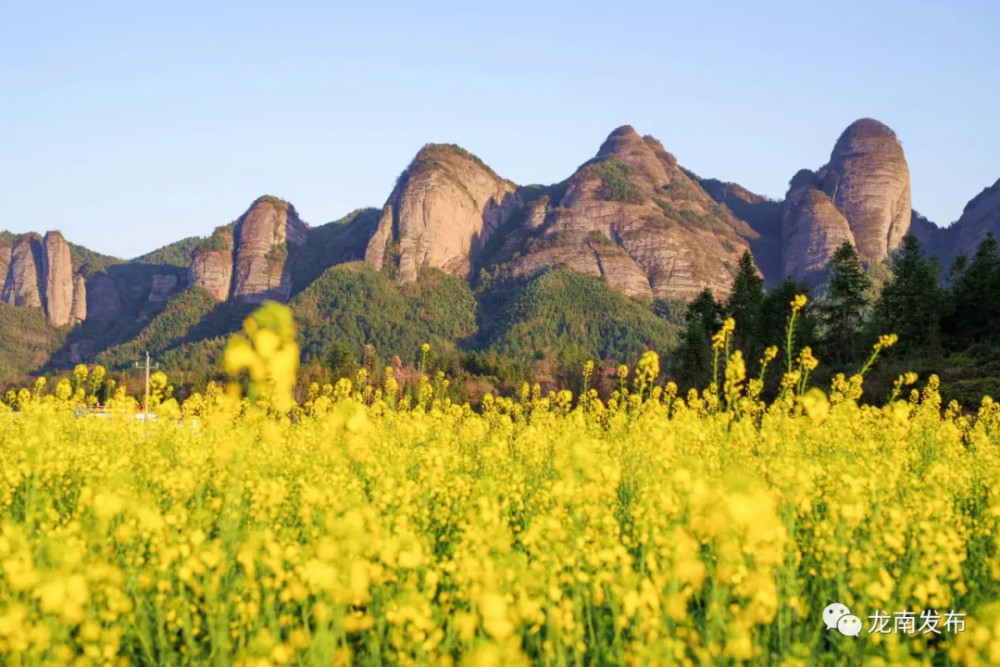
[948, 322]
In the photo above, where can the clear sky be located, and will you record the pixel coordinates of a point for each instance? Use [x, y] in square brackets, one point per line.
[128, 126]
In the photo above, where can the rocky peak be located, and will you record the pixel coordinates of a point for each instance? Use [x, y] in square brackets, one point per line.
[57, 278]
[868, 180]
[812, 229]
[980, 216]
[633, 216]
[39, 273]
[644, 158]
[267, 239]
[21, 287]
[250, 260]
[444, 208]
[862, 195]
[212, 265]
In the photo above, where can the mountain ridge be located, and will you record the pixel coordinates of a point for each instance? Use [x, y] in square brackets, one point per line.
[631, 216]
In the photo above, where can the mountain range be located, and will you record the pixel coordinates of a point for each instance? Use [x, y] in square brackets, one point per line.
[632, 218]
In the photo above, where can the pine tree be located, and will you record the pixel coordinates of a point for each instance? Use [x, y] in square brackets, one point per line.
[911, 303]
[744, 305]
[693, 356]
[974, 313]
[846, 303]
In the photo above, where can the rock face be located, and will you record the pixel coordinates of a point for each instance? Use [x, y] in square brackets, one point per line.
[633, 216]
[937, 241]
[267, 239]
[21, 287]
[764, 217]
[39, 274]
[78, 312]
[444, 208]
[867, 178]
[163, 286]
[213, 269]
[253, 262]
[57, 277]
[104, 303]
[812, 230]
[865, 184]
[980, 216]
[5, 249]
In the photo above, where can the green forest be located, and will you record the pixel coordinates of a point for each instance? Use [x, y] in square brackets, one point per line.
[543, 328]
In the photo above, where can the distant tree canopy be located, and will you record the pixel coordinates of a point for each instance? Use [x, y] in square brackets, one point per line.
[545, 326]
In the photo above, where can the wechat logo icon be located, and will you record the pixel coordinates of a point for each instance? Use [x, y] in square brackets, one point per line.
[838, 617]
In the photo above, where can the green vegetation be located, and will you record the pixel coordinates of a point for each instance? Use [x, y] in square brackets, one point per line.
[87, 262]
[181, 253]
[597, 238]
[278, 253]
[846, 304]
[616, 182]
[27, 340]
[169, 328]
[508, 330]
[175, 254]
[358, 306]
[276, 202]
[562, 319]
[761, 317]
[343, 240]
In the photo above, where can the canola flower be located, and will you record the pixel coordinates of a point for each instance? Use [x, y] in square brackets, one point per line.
[647, 528]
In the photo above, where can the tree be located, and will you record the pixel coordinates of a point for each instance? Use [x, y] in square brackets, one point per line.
[974, 313]
[339, 358]
[744, 305]
[693, 356]
[846, 303]
[911, 302]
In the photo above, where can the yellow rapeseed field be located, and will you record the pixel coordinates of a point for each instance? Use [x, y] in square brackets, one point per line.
[362, 527]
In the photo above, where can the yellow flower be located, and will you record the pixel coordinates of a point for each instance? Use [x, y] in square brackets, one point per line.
[808, 361]
[885, 341]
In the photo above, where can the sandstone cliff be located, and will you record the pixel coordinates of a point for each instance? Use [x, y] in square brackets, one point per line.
[267, 239]
[253, 260]
[21, 287]
[104, 303]
[812, 230]
[868, 179]
[980, 216]
[39, 273]
[57, 278]
[78, 311]
[164, 284]
[444, 208]
[212, 267]
[5, 249]
[866, 184]
[633, 216]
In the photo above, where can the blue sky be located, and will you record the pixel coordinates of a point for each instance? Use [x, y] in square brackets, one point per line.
[129, 126]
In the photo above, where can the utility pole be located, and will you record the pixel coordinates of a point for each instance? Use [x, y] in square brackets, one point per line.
[139, 364]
